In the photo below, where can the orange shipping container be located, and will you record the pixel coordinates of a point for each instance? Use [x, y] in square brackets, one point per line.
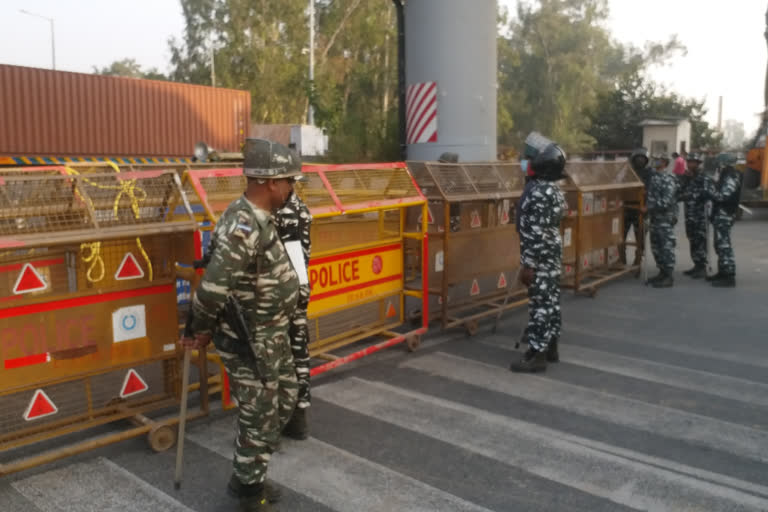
[58, 113]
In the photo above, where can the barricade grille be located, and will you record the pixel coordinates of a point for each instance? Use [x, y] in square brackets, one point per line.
[36, 205]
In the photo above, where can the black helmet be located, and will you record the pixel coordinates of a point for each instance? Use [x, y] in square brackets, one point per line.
[449, 158]
[549, 164]
[694, 157]
[639, 155]
[265, 159]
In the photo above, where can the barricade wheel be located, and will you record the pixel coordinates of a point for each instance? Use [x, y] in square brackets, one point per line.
[413, 341]
[471, 327]
[161, 438]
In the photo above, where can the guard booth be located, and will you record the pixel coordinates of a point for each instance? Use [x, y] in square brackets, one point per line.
[358, 238]
[87, 303]
[597, 194]
[474, 247]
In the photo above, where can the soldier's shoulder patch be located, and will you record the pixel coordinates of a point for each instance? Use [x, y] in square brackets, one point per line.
[242, 226]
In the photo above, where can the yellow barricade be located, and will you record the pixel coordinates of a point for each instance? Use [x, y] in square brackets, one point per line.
[88, 317]
[358, 250]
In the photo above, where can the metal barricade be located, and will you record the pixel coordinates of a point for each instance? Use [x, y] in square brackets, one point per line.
[597, 194]
[474, 248]
[358, 240]
[88, 308]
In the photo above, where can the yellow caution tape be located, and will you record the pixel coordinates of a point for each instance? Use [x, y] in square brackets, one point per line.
[133, 192]
[95, 260]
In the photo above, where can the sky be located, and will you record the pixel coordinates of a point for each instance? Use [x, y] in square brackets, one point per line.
[726, 49]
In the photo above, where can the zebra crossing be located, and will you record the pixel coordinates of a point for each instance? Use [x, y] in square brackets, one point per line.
[660, 403]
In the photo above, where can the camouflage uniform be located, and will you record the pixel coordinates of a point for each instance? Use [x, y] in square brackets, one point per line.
[725, 202]
[294, 221]
[695, 195]
[662, 210]
[541, 212]
[250, 262]
[632, 215]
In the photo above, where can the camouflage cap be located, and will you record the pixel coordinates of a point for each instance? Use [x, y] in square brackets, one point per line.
[269, 160]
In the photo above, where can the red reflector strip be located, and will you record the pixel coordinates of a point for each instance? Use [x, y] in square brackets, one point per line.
[21, 362]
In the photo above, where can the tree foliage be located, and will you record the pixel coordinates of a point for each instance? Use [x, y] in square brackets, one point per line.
[550, 69]
[561, 72]
[262, 46]
[131, 69]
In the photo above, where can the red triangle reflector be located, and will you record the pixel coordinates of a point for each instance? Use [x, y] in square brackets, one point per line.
[129, 268]
[40, 406]
[430, 218]
[29, 280]
[502, 281]
[475, 290]
[391, 311]
[505, 217]
[476, 222]
[133, 384]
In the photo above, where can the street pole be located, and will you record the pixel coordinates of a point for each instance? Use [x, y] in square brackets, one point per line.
[53, 34]
[213, 68]
[311, 116]
[53, 45]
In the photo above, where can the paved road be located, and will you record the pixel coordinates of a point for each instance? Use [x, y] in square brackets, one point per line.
[660, 403]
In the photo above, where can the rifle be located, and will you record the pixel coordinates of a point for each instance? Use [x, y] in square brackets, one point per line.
[235, 316]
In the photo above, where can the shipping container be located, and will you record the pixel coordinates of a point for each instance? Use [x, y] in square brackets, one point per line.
[62, 114]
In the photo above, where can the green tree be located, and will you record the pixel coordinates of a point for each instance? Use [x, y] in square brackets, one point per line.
[356, 79]
[257, 46]
[129, 68]
[550, 69]
[616, 120]
[562, 72]
[261, 46]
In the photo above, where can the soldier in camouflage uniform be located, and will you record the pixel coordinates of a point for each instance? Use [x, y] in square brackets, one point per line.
[695, 194]
[725, 204]
[541, 211]
[639, 161]
[250, 263]
[662, 211]
[294, 221]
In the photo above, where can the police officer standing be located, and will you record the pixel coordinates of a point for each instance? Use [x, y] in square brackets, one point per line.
[662, 210]
[639, 161]
[696, 192]
[294, 221]
[250, 265]
[541, 254]
[725, 204]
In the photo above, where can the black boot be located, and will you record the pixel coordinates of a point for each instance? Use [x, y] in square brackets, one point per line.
[691, 270]
[271, 491]
[699, 272]
[725, 281]
[553, 356]
[655, 278]
[715, 277]
[665, 281]
[531, 362]
[297, 427]
[253, 498]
